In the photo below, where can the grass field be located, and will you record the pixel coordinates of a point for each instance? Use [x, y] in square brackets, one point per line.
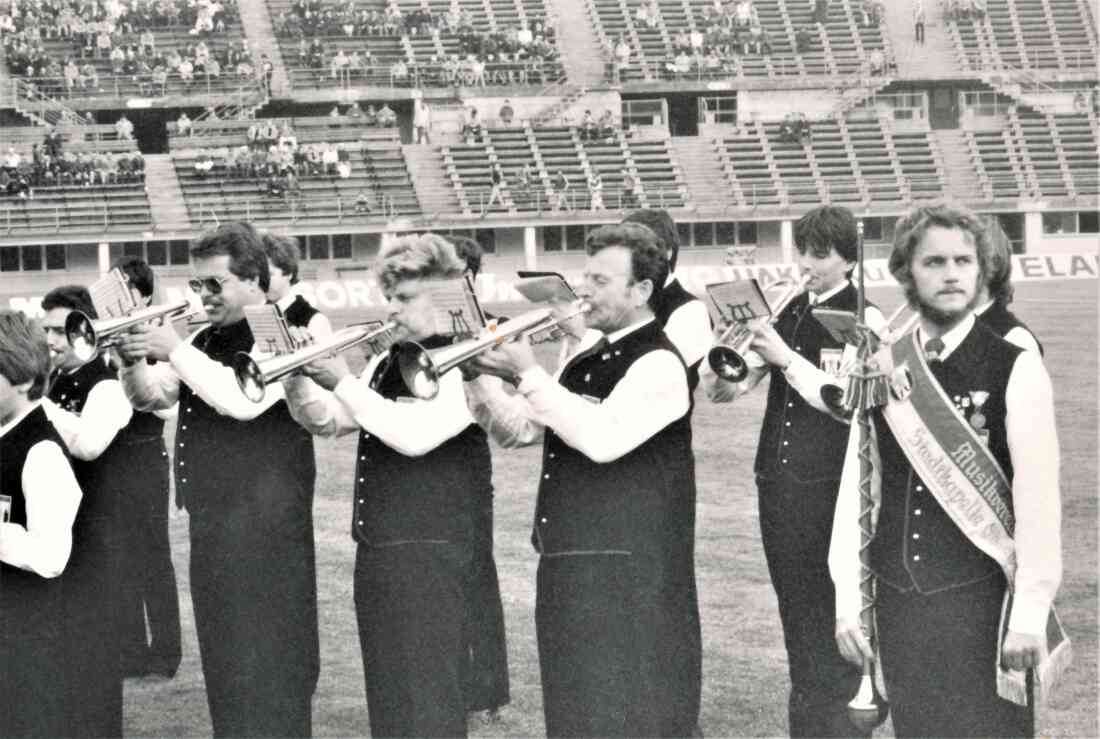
[745, 681]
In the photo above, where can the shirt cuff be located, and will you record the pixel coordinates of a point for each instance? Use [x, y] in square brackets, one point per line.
[533, 379]
[1029, 616]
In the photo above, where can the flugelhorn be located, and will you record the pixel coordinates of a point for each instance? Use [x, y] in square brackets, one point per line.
[727, 356]
[89, 337]
[421, 368]
[254, 376]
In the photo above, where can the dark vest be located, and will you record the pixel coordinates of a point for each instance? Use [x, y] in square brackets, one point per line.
[916, 544]
[673, 297]
[23, 594]
[103, 478]
[620, 506]
[221, 462]
[299, 312]
[1002, 320]
[796, 438]
[37, 636]
[418, 499]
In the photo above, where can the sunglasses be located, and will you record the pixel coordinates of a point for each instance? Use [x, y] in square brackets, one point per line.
[212, 285]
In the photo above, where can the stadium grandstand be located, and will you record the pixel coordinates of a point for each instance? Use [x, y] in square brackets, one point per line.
[127, 128]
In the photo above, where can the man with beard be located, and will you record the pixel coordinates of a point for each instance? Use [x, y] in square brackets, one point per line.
[967, 546]
[245, 473]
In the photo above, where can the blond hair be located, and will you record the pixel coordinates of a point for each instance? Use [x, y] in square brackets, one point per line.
[417, 257]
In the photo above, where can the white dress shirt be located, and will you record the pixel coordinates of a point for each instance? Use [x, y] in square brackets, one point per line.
[652, 394]
[156, 387]
[688, 328]
[806, 378]
[1033, 446]
[1017, 335]
[410, 426]
[52, 497]
[87, 434]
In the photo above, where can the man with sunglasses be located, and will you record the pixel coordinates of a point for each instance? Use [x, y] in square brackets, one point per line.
[245, 473]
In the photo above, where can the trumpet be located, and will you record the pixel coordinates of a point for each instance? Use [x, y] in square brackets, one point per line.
[89, 337]
[421, 368]
[253, 376]
[727, 356]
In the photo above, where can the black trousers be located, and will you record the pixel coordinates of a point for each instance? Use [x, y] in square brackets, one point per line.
[148, 578]
[485, 677]
[796, 522]
[254, 590]
[938, 657]
[600, 620]
[409, 601]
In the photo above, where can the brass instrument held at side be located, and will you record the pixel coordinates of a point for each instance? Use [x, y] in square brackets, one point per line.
[728, 355]
[90, 337]
[421, 368]
[254, 375]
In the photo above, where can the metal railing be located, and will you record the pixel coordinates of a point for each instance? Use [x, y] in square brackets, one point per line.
[61, 89]
[1039, 59]
[495, 74]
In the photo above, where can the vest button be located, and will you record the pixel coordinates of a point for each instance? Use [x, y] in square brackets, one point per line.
[790, 405]
[919, 488]
[183, 428]
[181, 463]
[916, 558]
[542, 520]
[786, 443]
[181, 445]
[362, 500]
[360, 523]
[183, 480]
[165, 454]
[363, 458]
[916, 511]
[362, 479]
[188, 409]
[916, 536]
[552, 455]
[787, 423]
[546, 477]
[783, 461]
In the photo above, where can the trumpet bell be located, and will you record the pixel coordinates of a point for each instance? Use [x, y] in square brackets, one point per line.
[727, 363]
[81, 335]
[868, 708]
[420, 370]
[250, 376]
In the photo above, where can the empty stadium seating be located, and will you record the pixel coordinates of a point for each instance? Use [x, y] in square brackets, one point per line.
[839, 47]
[1041, 35]
[551, 150]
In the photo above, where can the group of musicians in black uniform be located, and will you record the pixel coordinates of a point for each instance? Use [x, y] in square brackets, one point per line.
[84, 541]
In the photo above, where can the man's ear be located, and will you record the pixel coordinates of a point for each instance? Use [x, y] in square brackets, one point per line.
[645, 290]
[24, 387]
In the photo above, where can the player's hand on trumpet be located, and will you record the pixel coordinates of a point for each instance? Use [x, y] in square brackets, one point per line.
[852, 642]
[507, 360]
[145, 341]
[767, 342]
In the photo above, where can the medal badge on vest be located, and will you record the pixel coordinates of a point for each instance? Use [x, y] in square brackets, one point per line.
[831, 360]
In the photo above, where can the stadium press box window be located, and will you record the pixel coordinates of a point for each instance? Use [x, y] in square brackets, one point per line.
[33, 258]
[1071, 222]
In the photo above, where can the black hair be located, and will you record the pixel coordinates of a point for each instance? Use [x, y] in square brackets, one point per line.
[73, 297]
[244, 247]
[826, 228]
[661, 224]
[647, 257]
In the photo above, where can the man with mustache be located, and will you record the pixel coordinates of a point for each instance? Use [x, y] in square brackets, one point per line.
[976, 411]
[245, 473]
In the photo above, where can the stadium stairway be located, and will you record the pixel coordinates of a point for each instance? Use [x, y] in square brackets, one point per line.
[702, 170]
[166, 203]
[581, 50]
[260, 35]
[936, 57]
[961, 178]
[429, 176]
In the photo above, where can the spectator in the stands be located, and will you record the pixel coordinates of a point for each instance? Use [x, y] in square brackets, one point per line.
[507, 113]
[471, 128]
[183, 125]
[560, 192]
[631, 196]
[335, 112]
[876, 62]
[804, 39]
[918, 21]
[386, 117]
[587, 129]
[821, 11]
[422, 122]
[496, 189]
[606, 125]
[204, 164]
[362, 202]
[354, 111]
[124, 128]
[595, 190]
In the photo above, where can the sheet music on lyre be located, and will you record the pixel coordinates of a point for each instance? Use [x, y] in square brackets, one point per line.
[378, 344]
[738, 301]
[457, 312]
[111, 295]
[269, 329]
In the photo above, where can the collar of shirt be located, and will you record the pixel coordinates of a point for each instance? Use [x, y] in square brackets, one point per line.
[952, 338]
[670, 279]
[983, 308]
[622, 332]
[818, 299]
[286, 301]
[18, 419]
